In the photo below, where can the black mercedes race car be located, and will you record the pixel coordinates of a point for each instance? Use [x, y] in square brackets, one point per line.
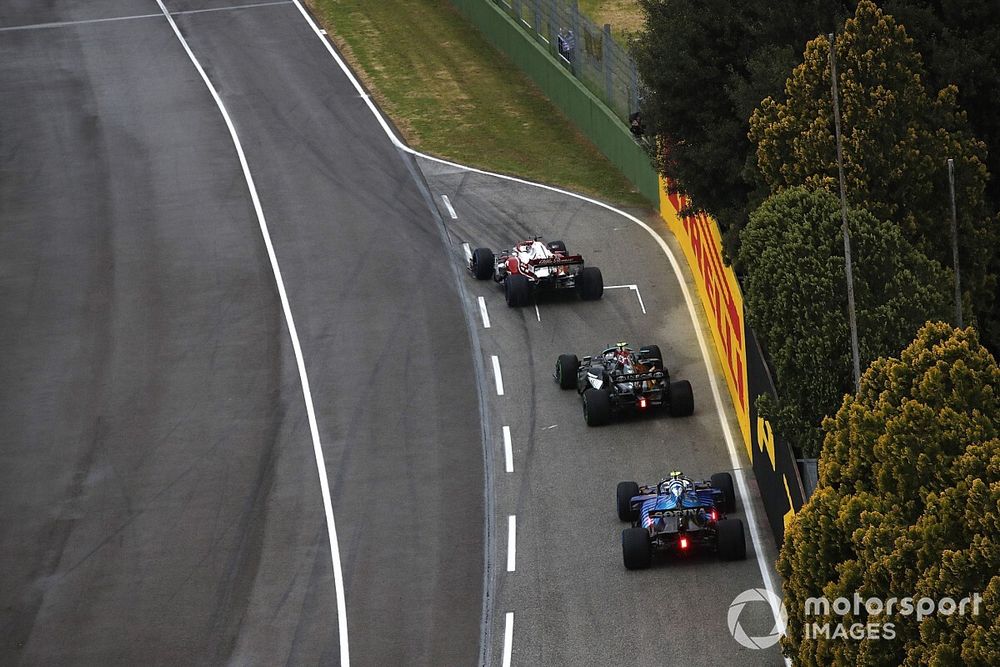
[679, 516]
[620, 379]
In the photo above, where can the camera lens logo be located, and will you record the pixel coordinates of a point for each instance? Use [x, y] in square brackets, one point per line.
[736, 608]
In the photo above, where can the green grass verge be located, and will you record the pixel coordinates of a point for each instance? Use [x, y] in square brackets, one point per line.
[453, 95]
[625, 16]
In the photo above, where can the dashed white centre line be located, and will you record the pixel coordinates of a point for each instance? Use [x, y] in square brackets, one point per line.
[538, 315]
[451, 209]
[508, 451]
[482, 311]
[508, 638]
[497, 376]
[511, 540]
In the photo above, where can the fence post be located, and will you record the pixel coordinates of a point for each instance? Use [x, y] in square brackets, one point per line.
[537, 18]
[633, 83]
[576, 37]
[606, 57]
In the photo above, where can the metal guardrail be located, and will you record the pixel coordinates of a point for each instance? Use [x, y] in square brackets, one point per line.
[603, 65]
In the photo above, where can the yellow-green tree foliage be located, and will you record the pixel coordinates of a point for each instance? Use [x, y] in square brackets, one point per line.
[896, 139]
[908, 504]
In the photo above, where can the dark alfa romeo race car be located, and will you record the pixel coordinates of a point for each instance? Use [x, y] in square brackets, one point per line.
[679, 516]
[533, 265]
[620, 379]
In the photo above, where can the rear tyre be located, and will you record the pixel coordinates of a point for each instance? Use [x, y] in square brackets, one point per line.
[732, 544]
[651, 352]
[723, 481]
[590, 283]
[596, 407]
[566, 368]
[556, 246]
[681, 399]
[626, 492]
[483, 263]
[517, 289]
[637, 552]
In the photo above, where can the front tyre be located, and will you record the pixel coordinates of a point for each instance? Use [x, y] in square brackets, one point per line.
[637, 551]
[483, 263]
[590, 283]
[723, 481]
[566, 368]
[596, 407]
[625, 492]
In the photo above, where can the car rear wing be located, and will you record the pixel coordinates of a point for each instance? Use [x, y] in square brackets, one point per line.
[557, 261]
[637, 377]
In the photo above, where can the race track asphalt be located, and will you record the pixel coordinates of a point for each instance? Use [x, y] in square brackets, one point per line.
[160, 497]
[161, 502]
[573, 601]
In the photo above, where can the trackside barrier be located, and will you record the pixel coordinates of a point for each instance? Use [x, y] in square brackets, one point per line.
[587, 112]
[743, 363]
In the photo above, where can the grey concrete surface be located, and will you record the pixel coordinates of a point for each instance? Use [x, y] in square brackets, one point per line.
[160, 499]
[573, 601]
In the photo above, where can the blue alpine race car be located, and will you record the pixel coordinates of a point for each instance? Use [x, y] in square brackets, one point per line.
[678, 516]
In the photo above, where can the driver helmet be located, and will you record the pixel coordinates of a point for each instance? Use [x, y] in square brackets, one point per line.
[676, 484]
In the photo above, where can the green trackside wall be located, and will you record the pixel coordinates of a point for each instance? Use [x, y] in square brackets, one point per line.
[595, 120]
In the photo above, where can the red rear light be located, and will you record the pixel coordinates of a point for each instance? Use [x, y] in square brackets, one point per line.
[684, 543]
[715, 515]
[642, 402]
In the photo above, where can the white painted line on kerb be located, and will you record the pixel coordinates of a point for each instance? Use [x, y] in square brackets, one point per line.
[744, 489]
[324, 484]
[511, 541]
[497, 376]
[482, 311]
[634, 288]
[451, 209]
[508, 450]
[508, 638]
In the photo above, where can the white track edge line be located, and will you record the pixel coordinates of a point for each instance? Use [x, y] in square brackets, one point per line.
[727, 432]
[296, 347]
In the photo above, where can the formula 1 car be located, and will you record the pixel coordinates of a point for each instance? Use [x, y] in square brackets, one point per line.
[533, 265]
[620, 379]
[678, 516]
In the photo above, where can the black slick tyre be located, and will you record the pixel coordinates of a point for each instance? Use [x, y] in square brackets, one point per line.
[723, 481]
[590, 283]
[482, 263]
[681, 399]
[566, 367]
[637, 552]
[517, 289]
[625, 492]
[596, 407]
[732, 544]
